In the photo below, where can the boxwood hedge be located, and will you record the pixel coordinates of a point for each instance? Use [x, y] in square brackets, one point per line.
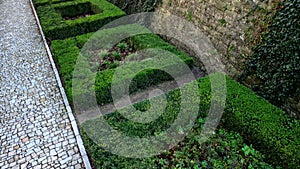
[55, 26]
[45, 2]
[66, 53]
[265, 126]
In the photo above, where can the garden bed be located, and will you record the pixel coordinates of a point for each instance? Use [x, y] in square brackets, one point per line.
[260, 123]
[66, 53]
[263, 125]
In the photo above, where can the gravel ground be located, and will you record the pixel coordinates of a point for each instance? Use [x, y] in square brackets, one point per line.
[35, 129]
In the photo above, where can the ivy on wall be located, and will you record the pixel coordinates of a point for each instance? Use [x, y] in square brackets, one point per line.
[274, 67]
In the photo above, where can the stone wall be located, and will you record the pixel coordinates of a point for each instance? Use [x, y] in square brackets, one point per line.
[233, 26]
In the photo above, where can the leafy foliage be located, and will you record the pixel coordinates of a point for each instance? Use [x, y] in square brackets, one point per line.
[223, 150]
[275, 64]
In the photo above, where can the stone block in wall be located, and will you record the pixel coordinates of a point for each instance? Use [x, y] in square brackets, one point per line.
[230, 25]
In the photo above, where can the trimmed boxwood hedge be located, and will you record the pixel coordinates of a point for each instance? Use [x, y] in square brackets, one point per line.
[55, 27]
[260, 123]
[45, 2]
[223, 150]
[66, 52]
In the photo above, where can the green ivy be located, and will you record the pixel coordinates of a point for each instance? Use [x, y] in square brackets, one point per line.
[275, 64]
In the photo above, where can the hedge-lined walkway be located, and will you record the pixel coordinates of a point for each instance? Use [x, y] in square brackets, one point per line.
[36, 127]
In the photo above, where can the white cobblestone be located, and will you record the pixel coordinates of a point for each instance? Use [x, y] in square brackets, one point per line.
[31, 103]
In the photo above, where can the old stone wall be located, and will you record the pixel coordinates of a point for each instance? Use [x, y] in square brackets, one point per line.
[233, 26]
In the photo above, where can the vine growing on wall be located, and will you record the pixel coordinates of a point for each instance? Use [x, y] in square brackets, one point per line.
[275, 64]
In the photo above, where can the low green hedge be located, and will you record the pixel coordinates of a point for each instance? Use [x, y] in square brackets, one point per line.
[56, 27]
[260, 123]
[222, 150]
[66, 53]
[142, 80]
[267, 127]
[65, 56]
[45, 2]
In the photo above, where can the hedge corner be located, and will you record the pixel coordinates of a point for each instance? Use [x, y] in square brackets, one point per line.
[72, 18]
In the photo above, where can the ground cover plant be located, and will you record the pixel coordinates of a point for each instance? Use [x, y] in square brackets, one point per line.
[66, 19]
[225, 149]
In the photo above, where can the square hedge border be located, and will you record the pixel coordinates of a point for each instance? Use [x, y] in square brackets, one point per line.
[66, 52]
[55, 27]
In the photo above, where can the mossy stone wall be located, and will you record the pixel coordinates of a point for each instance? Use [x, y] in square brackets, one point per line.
[233, 26]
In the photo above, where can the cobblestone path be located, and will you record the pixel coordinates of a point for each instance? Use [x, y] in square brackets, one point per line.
[37, 129]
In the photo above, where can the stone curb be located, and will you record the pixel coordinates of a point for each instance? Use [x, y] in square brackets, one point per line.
[62, 91]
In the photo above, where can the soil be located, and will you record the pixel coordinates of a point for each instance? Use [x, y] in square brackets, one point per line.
[107, 61]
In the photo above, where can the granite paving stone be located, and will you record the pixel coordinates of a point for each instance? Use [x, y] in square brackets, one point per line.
[33, 114]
